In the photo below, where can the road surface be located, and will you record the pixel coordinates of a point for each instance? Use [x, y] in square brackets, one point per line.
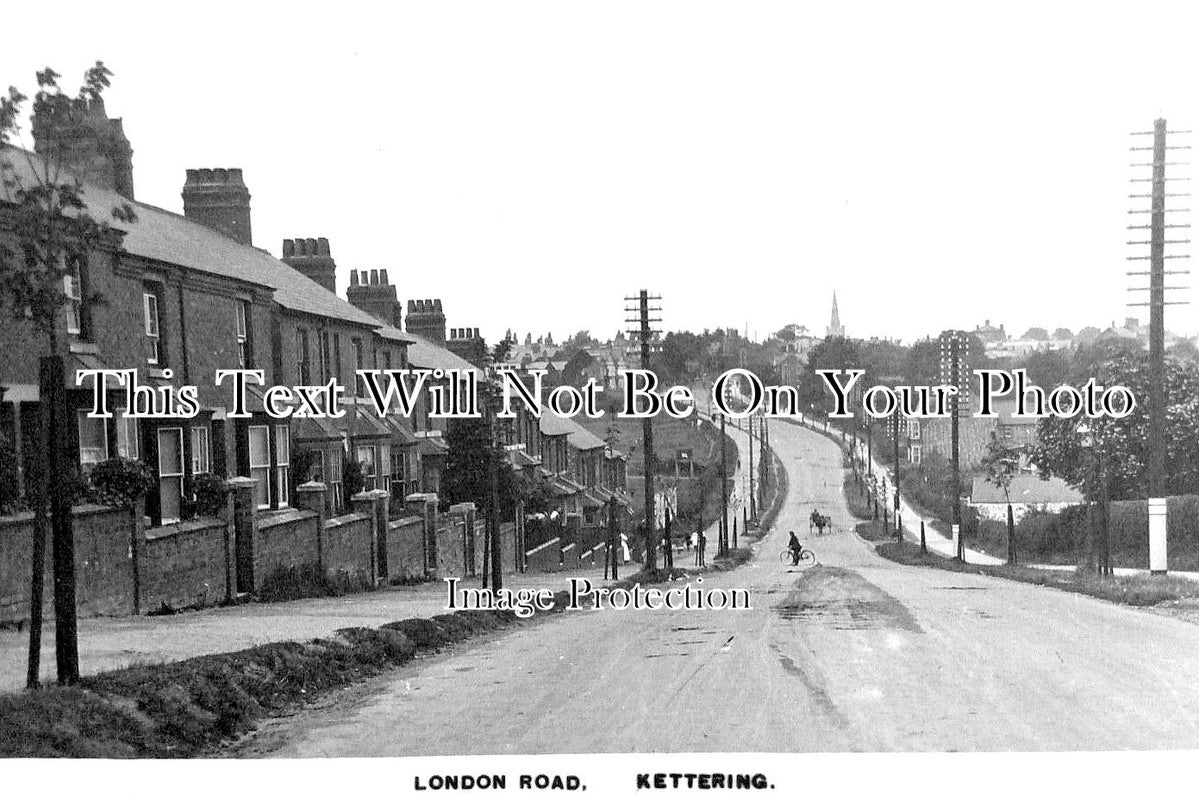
[856, 654]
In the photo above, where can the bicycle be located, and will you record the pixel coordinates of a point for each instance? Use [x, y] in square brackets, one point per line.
[806, 558]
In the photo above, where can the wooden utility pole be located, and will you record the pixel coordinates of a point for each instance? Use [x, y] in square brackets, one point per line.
[753, 506]
[898, 518]
[724, 487]
[1156, 303]
[644, 332]
[954, 372]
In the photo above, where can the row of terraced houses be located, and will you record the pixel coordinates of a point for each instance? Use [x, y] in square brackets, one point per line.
[186, 295]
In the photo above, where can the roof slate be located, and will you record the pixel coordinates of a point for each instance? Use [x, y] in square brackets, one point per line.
[171, 238]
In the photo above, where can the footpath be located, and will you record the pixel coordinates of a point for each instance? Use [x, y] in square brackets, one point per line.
[937, 541]
[107, 643]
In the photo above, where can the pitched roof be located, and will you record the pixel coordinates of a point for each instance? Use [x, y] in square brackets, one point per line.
[173, 239]
[424, 354]
[395, 334]
[1026, 489]
[576, 435]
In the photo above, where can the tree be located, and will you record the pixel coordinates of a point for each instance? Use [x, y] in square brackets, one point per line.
[1048, 368]
[52, 234]
[1001, 464]
[1122, 443]
[835, 354]
[923, 366]
[1062, 334]
[1036, 334]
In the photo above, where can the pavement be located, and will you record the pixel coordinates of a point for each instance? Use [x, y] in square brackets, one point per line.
[941, 544]
[858, 653]
[107, 643]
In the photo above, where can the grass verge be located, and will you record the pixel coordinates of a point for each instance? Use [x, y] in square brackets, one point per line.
[190, 708]
[1133, 590]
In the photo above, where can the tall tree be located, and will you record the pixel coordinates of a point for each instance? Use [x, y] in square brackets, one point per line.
[51, 233]
[1122, 443]
[1000, 465]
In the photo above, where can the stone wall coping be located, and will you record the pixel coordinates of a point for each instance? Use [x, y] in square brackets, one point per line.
[345, 519]
[271, 519]
[186, 526]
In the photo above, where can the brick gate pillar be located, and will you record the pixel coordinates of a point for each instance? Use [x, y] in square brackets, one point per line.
[313, 496]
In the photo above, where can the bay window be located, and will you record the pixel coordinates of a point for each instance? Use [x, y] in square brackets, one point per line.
[170, 473]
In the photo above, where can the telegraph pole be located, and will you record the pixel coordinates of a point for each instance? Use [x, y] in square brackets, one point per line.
[954, 373]
[1156, 302]
[753, 506]
[645, 333]
[724, 486]
[898, 521]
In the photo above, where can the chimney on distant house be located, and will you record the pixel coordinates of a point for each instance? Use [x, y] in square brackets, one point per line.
[370, 291]
[219, 199]
[467, 344]
[425, 318]
[89, 143]
[311, 257]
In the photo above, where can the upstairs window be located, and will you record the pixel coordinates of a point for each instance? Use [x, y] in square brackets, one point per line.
[302, 357]
[72, 290]
[152, 313]
[245, 356]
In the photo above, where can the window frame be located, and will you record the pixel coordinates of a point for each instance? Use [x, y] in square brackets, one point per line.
[86, 464]
[261, 472]
[152, 318]
[176, 478]
[201, 456]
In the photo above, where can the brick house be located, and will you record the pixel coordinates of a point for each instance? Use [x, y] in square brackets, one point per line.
[924, 436]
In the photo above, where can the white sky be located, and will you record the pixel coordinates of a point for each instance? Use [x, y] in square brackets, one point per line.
[532, 163]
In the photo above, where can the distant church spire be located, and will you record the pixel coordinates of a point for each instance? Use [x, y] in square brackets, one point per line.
[835, 329]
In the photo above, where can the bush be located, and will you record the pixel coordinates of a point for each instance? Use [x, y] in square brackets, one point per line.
[352, 479]
[208, 491]
[120, 482]
[308, 580]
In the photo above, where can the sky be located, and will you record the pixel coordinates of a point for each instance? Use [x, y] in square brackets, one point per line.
[531, 163]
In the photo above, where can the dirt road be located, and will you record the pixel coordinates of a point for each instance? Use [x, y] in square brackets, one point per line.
[856, 654]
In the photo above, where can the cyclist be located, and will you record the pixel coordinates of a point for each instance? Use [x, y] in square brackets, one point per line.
[796, 548]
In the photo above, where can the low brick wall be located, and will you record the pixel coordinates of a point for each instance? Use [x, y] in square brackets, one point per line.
[347, 544]
[103, 564]
[545, 557]
[284, 539]
[451, 535]
[405, 549]
[185, 565]
[507, 546]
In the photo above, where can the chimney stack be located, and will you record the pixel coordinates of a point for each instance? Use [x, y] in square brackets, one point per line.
[219, 199]
[89, 143]
[370, 292]
[426, 318]
[312, 258]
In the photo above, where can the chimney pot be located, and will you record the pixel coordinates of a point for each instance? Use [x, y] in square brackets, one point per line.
[289, 248]
[323, 246]
[383, 277]
[353, 277]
